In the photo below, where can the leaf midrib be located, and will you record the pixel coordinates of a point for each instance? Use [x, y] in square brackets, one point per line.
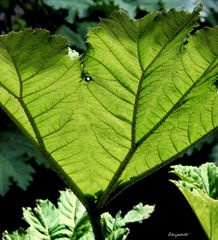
[52, 161]
[40, 143]
[134, 144]
[189, 19]
[17, 72]
[175, 106]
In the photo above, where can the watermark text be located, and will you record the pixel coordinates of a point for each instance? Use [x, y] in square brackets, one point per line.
[178, 235]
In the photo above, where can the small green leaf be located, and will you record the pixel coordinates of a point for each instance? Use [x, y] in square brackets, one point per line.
[119, 234]
[42, 220]
[115, 228]
[16, 235]
[69, 221]
[200, 188]
[139, 213]
[204, 177]
[73, 215]
[46, 221]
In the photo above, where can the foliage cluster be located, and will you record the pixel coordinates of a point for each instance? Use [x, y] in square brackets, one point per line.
[73, 18]
[70, 221]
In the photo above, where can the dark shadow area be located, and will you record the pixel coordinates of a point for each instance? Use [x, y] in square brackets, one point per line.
[172, 214]
[46, 185]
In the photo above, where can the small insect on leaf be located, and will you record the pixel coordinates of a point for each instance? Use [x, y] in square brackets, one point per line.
[87, 78]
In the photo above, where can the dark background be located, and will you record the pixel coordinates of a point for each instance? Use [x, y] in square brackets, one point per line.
[172, 213]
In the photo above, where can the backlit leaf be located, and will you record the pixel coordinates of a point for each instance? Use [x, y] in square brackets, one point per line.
[143, 94]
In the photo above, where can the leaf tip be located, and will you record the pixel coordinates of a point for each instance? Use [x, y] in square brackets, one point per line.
[198, 8]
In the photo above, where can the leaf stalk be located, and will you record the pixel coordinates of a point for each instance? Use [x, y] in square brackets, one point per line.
[95, 219]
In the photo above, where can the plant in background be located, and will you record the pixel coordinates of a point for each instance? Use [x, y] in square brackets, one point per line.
[70, 221]
[73, 18]
[200, 188]
[141, 96]
[15, 155]
[82, 10]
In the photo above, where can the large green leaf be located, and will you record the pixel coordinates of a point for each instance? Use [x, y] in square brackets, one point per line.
[200, 188]
[148, 94]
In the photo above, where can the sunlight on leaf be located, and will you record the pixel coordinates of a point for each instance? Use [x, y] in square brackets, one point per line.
[148, 99]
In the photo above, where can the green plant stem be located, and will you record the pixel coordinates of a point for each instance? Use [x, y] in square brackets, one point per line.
[95, 219]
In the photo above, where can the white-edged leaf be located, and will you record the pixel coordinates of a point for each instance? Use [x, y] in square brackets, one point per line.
[138, 213]
[69, 221]
[200, 188]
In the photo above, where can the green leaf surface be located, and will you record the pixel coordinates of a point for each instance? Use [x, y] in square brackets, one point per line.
[43, 220]
[115, 228]
[70, 208]
[151, 95]
[209, 11]
[16, 235]
[83, 26]
[46, 221]
[138, 213]
[204, 177]
[73, 215]
[200, 188]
